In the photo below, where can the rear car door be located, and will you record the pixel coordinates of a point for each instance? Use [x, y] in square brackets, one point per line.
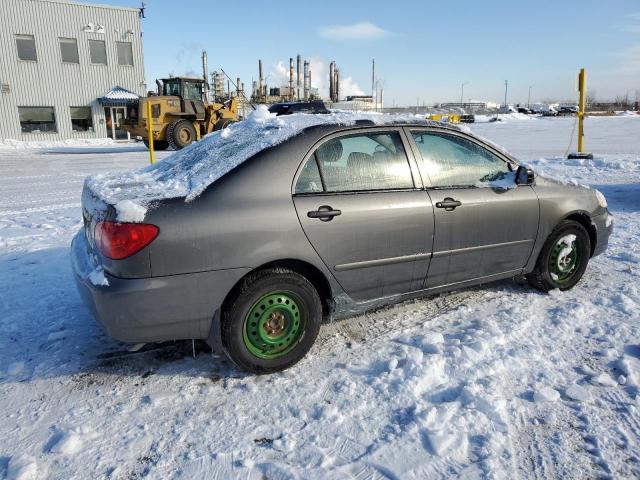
[482, 228]
[364, 214]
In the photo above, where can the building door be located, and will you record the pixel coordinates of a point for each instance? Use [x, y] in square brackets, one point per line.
[114, 117]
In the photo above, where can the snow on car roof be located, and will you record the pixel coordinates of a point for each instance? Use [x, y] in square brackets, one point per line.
[188, 172]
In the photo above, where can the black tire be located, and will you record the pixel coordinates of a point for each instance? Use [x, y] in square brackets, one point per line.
[180, 134]
[157, 144]
[542, 276]
[251, 290]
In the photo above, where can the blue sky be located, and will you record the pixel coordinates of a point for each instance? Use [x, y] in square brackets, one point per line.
[423, 50]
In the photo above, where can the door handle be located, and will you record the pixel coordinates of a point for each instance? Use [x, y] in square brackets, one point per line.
[324, 213]
[449, 204]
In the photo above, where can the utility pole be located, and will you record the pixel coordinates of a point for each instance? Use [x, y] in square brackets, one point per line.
[506, 86]
[373, 79]
[462, 92]
[529, 97]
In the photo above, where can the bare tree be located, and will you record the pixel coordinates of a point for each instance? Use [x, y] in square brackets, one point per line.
[591, 97]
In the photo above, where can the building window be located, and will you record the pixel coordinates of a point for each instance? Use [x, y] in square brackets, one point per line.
[69, 50]
[37, 119]
[81, 119]
[98, 52]
[125, 53]
[26, 45]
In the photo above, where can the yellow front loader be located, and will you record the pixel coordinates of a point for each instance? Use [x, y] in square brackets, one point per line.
[180, 115]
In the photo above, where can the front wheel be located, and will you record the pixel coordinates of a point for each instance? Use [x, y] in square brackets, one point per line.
[180, 134]
[271, 321]
[563, 259]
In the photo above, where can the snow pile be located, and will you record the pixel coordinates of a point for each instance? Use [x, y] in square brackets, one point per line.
[10, 143]
[188, 172]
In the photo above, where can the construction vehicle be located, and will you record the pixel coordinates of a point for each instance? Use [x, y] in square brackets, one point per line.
[181, 111]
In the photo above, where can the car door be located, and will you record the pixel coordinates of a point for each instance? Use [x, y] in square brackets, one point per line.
[360, 208]
[485, 224]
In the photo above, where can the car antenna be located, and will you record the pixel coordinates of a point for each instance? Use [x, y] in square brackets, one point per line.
[236, 87]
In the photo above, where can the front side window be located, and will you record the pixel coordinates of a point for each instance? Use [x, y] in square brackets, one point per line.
[452, 161]
[37, 119]
[371, 161]
[26, 46]
[98, 52]
[81, 119]
[69, 50]
[125, 54]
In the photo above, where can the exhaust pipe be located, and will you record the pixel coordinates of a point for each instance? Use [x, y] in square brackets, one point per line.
[205, 76]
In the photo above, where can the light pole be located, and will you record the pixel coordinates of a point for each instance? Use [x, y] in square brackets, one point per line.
[462, 92]
[529, 97]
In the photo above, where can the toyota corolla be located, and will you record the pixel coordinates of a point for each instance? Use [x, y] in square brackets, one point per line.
[252, 237]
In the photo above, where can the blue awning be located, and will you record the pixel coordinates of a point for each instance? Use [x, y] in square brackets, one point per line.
[118, 97]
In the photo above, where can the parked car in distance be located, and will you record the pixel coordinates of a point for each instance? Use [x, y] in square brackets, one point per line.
[565, 109]
[288, 108]
[525, 110]
[279, 223]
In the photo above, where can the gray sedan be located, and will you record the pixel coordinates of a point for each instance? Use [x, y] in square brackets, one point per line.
[337, 217]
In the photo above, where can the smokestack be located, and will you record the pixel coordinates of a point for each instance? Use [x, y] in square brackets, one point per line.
[205, 75]
[238, 87]
[373, 79]
[298, 74]
[337, 86]
[261, 88]
[291, 79]
[332, 78]
[306, 80]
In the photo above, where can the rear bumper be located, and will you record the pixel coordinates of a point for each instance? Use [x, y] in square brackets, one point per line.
[153, 309]
[604, 228]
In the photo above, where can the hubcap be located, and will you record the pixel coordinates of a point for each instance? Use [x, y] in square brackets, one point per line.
[185, 135]
[565, 259]
[274, 325]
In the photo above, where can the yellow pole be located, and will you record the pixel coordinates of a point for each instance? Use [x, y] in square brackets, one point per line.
[150, 133]
[582, 81]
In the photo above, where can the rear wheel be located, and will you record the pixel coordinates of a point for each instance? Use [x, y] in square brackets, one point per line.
[563, 259]
[157, 144]
[271, 321]
[180, 134]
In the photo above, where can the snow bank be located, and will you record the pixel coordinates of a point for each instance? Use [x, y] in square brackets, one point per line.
[10, 143]
[188, 172]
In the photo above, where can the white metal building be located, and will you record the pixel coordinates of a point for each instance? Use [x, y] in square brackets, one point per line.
[67, 69]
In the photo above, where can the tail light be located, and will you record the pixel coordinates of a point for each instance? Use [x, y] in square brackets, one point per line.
[121, 240]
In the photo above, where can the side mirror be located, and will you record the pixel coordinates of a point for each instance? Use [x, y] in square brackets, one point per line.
[524, 176]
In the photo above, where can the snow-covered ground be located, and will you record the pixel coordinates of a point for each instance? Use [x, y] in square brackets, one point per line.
[499, 381]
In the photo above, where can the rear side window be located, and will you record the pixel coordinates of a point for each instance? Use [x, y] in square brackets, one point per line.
[372, 161]
[452, 161]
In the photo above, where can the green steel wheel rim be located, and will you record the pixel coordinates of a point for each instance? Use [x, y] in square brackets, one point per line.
[274, 325]
[565, 259]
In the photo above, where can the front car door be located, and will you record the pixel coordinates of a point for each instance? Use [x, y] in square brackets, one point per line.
[365, 215]
[482, 228]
